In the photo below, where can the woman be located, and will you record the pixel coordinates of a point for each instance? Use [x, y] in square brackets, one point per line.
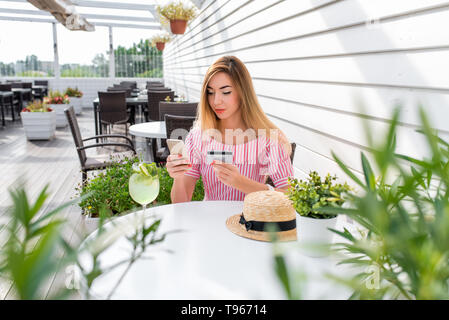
[230, 118]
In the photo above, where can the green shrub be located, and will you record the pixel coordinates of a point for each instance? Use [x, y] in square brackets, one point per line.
[307, 196]
[110, 189]
[73, 92]
[406, 240]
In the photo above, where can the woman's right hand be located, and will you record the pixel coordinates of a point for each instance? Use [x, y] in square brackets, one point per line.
[177, 165]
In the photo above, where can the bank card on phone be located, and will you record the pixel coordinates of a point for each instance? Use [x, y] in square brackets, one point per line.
[218, 155]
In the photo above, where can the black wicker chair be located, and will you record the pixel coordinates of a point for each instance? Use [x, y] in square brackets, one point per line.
[151, 112]
[292, 156]
[112, 109]
[175, 109]
[177, 127]
[95, 162]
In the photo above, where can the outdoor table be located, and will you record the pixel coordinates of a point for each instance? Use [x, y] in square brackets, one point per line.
[150, 130]
[207, 260]
[130, 102]
[19, 94]
[3, 95]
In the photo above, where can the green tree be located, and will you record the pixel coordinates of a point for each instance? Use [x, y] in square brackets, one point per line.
[140, 60]
[101, 65]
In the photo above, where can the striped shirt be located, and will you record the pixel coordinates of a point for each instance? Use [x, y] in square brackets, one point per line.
[256, 160]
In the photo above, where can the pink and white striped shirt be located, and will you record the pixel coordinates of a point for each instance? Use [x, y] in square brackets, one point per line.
[255, 159]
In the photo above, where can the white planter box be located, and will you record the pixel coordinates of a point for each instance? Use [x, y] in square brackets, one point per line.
[313, 234]
[76, 103]
[61, 119]
[39, 125]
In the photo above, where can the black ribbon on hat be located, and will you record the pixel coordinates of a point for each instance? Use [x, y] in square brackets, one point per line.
[261, 225]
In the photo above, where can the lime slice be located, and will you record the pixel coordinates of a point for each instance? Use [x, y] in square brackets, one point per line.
[144, 169]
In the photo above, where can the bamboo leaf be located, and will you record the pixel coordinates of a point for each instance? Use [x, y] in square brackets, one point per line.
[348, 171]
[370, 179]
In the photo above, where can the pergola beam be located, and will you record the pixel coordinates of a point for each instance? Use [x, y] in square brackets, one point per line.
[85, 15]
[100, 24]
[108, 5]
[112, 5]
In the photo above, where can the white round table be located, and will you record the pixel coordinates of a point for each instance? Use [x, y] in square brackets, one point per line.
[154, 129]
[208, 261]
[150, 130]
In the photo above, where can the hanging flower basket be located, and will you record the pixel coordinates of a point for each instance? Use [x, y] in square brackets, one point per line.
[178, 13]
[160, 46]
[178, 26]
[160, 40]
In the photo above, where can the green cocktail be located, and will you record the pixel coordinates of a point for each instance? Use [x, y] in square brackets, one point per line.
[144, 183]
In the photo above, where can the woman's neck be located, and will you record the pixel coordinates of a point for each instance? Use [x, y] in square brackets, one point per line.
[233, 130]
[233, 123]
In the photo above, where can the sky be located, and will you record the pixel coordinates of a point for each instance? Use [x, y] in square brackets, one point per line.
[28, 38]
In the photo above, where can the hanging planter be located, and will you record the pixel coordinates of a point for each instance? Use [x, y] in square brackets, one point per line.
[160, 40]
[160, 46]
[178, 14]
[178, 26]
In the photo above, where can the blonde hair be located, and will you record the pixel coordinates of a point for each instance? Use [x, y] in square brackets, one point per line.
[253, 115]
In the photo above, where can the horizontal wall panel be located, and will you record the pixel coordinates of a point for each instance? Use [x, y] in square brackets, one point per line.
[321, 143]
[346, 127]
[324, 20]
[314, 63]
[377, 102]
[218, 11]
[310, 161]
[247, 21]
[416, 69]
[411, 33]
[422, 69]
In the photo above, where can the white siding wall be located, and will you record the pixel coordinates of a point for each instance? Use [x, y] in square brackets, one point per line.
[312, 61]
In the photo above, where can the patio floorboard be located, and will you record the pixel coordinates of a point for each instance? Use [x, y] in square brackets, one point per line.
[38, 163]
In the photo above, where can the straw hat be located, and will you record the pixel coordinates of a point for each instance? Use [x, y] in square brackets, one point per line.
[260, 208]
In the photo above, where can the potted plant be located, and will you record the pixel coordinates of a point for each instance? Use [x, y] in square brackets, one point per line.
[108, 191]
[75, 99]
[58, 102]
[160, 40]
[39, 121]
[307, 197]
[403, 214]
[178, 13]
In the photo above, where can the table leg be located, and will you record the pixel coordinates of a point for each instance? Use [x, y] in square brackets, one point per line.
[154, 148]
[96, 121]
[3, 111]
[20, 103]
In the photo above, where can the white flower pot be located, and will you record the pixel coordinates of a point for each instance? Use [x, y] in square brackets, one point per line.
[76, 103]
[90, 224]
[39, 125]
[61, 119]
[313, 234]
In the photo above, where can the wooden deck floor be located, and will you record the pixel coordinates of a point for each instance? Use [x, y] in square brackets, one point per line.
[38, 163]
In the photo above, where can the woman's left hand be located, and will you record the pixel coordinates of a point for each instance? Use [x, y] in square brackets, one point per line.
[228, 174]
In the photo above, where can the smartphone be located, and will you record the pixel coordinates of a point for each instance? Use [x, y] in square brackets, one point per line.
[177, 147]
[223, 156]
